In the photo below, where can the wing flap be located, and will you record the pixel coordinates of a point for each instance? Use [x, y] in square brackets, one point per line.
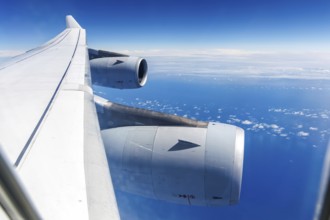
[57, 160]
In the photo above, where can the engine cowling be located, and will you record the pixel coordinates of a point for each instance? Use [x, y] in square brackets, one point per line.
[187, 165]
[119, 72]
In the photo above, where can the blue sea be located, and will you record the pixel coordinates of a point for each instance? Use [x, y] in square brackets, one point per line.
[287, 129]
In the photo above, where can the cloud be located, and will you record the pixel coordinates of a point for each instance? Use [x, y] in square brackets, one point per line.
[236, 120]
[298, 113]
[237, 62]
[277, 110]
[215, 52]
[302, 134]
[274, 126]
[246, 122]
[313, 128]
[325, 116]
[258, 126]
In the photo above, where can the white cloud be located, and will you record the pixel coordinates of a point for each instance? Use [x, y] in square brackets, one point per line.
[246, 122]
[313, 128]
[237, 62]
[274, 126]
[259, 126]
[235, 120]
[278, 130]
[323, 115]
[298, 113]
[192, 52]
[302, 134]
[279, 110]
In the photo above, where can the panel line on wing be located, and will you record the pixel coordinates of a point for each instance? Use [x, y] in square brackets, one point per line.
[20, 156]
[52, 44]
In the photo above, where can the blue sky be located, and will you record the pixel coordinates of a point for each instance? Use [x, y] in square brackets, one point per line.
[288, 25]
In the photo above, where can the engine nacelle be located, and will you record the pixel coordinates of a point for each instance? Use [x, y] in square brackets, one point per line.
[187, 165]
[119, 72]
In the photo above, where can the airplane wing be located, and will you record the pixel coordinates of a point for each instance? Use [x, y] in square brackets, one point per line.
[61, 139]
[49, 129]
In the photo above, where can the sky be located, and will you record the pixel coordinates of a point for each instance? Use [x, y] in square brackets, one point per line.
[282, 25]
[267, 38]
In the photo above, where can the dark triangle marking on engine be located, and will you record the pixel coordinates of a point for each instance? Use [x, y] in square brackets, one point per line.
[183, 145]
[118, 62]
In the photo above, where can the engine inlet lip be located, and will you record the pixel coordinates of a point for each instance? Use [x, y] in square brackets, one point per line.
[238, 167]
[142, 69]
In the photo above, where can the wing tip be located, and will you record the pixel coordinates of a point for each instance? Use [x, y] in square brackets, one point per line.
[71, 22]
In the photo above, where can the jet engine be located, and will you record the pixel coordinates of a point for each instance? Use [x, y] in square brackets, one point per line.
[195, 166]
[120, 71]
[172, 158]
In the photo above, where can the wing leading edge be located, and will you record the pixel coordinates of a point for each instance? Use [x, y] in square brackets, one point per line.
[50, 131]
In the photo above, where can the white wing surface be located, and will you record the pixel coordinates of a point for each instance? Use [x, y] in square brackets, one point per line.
[50, 132]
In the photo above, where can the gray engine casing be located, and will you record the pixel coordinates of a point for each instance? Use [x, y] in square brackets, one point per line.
[119, 72]
[187, 165]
